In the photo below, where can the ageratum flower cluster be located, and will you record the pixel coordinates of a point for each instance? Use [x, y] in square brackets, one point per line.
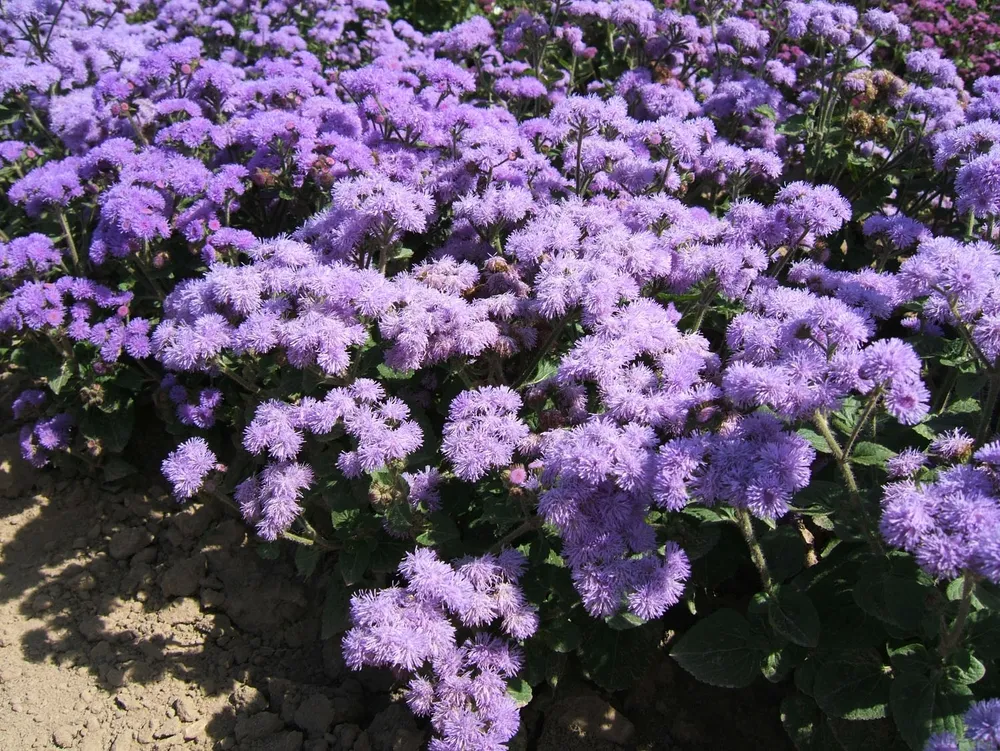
[554, 294]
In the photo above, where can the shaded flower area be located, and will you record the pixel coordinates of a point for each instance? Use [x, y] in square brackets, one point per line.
[571, 332]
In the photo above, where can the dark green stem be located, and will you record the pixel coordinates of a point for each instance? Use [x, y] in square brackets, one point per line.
[530, 525]
[540, 352]
[844, 465]
[986, 416]
[745, 522]
[862, 420]
[953, 636]
[74, 256]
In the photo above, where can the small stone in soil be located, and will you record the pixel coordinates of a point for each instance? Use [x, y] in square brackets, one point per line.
[116, 678]
[63, 736]
[248, 699]
[128, 542]
[168, 728]
[186, 710]
[315, 714]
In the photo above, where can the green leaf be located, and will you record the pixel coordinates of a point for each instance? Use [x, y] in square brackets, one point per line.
[722, 650]
[541, 664]
[442, 530]
[923, 705]
[353, 561]
[562, 636]
[306, 559]
[520, 691]
[984, 634]
[269, 551]
[394, 375]
[853, 685]
[807, 726]
[785, 552]
[58, 378]
[546, 369]
[818, 442]
[793, 616]
[888, 589]
[615, 660]
[988, 595]
[871, 454]
[780, 663]
[113, 431]
[910, 658]
[623, 621]
[767, 111]
[117, 468]
[820, 493]
[965, 668]
[963, 406]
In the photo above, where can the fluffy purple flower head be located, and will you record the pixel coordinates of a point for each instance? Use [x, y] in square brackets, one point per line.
[982, 724]
[459, 683]
[483, 430]
[906, 463]
[187, 467]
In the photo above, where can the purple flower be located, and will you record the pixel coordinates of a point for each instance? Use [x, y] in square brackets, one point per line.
[907, 462]
[941, 742]
[483, 430]
[27, 402]
[423, 488]
[982, 724]
[952, 444]
[949, 525]
[187, 467]
[460, 685]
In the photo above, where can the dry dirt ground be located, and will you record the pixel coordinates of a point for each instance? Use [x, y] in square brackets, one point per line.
[130, 622]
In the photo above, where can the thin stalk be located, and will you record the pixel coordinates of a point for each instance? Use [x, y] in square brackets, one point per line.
[862, 420]
[154, 285]
[745, 522]
[970, 227]
[579, 160]
[986, 417]
[540, 353]
[964, 332]
[946, 387]
[530, 525]
[238, 379]
[707, 295]
[318, 541]
[844, 465]
[953, 636]
[68, 234]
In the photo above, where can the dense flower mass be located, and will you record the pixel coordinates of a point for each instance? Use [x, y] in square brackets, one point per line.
[577, 296]
[435, 629]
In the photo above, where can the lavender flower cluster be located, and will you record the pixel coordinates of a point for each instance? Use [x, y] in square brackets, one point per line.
[554, 283]
[459, 681]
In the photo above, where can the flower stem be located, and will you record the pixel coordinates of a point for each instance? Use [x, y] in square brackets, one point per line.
[745, 522]
[530, 525]
[844, 464]
[540, 352]
[67, 233]
[986, 417]
[953, 636]
[863, 420]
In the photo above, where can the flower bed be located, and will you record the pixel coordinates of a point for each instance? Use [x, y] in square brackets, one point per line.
[540, 334]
